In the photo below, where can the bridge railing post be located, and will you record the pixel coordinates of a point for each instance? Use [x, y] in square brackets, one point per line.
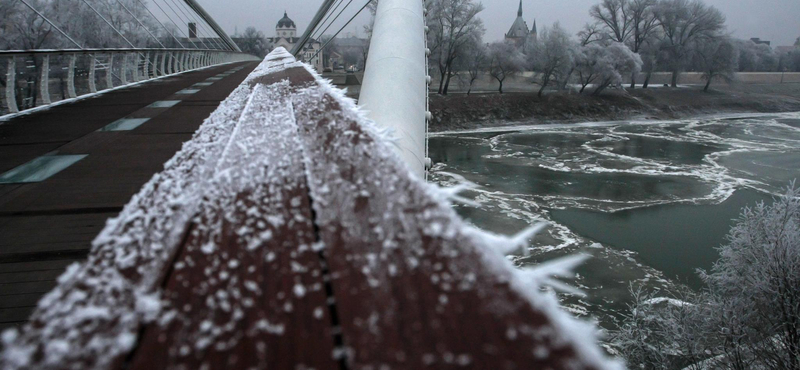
[71, 77]
[92, 69]
[123, 69]
[110, 71]
[161, 70]
[145, 67]
[44, 81]
[137, 59]
[11, 85]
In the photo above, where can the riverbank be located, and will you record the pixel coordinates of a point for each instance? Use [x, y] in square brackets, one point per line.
[460, 111]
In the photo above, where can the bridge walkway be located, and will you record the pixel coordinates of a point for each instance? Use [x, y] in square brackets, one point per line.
[99, 152]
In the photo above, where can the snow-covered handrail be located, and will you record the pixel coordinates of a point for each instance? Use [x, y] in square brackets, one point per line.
[286, 234]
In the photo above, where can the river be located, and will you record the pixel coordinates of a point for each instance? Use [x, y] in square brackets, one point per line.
[650, 201]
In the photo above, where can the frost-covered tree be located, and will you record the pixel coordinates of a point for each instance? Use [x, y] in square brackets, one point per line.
[253, 42]
[756, 57]
[551, 56]
[684, 23]
[631, 22]
[504, 61]
[718, 59]
[759, 271]
[641, 338]
[605, 65]
[747, 317]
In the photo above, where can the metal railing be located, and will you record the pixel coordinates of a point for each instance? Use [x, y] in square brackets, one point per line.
[35, 78]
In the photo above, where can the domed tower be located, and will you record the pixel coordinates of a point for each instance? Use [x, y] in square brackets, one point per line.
[286, 27]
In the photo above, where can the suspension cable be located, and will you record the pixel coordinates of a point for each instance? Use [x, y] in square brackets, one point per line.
[323, 9]
[109, 24]
[201, 25]
[52, 24]
[335, 18]
[60, 31]
[173, 22]
[188, 20]
[180, 19]
[141, 24]
[162, 24]
[330, 13]
[343, 27]
[120, 34]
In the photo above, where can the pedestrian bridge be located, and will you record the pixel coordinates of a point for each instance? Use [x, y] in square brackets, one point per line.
[248, 215]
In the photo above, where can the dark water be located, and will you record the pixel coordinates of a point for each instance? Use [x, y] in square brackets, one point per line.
[674, 239]
[651, 201]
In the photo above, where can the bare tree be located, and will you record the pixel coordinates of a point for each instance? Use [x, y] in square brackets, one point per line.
[614, 17]
[454, 24]
[474, 62]
[504, 61]
[644, 26]
[551, 56]
[649, 52]
[718, 59]
[683, 23]
[590, 33]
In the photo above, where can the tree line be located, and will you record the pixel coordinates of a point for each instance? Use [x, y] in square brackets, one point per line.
[624, 39]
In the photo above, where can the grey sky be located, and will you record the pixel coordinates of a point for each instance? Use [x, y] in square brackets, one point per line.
[775, 20]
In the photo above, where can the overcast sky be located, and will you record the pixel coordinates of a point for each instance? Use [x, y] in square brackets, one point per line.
[774, 20]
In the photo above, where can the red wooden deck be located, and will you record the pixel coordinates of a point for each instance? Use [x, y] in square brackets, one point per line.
[286, 235]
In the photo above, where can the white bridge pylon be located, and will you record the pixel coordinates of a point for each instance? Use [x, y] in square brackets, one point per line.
[395, 91]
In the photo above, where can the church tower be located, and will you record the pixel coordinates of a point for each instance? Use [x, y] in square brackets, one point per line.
[519, 32]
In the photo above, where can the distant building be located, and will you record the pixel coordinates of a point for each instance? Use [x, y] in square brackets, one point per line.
[519, 34]
[759, 41]
[352, 51]
[785, 50]
[286, 36]
[194, 41]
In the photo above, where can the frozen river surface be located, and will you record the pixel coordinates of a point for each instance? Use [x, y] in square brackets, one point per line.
[650, 200]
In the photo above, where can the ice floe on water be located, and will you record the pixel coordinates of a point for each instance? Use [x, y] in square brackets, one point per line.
[524, 174]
